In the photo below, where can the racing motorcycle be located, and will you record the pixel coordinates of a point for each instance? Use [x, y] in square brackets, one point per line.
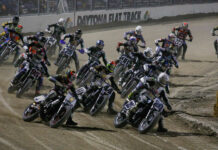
[50, 45]
[84, 76]
[66, 58]
[143, 114]
[94, 101]
[55, 110]
[124, 62]
[27, 80]
[131, 81]
[8, 47]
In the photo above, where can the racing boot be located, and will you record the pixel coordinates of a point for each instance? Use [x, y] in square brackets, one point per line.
[161, 126]
[111, 111]
[70, 122]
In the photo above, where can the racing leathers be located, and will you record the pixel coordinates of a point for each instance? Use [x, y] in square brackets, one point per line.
[63, 84]
[36, 55]
[15, 37]
[182, 33]
[106, 75]
[139, 61]
[139, 37]
[74, 41]
[154, 90]
[58, 30]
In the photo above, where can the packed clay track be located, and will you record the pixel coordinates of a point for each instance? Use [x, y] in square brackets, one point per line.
[193, 89]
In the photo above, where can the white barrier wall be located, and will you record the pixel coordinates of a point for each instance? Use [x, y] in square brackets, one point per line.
[39, 23]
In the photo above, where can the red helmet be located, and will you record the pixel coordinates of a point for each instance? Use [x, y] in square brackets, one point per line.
[71, 74]
[185, 25]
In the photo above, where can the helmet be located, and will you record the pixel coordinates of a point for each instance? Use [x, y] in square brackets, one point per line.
[163, 79]
[185, 25]
[38, 34]
[148, 52]
[61, 21]
[100, 44]
[42, 40]
[171, 36]
[133, 40]
[78, 33]
[71, 75]
[138, 29]
[18, 28]
[111, 66]
[15, 19]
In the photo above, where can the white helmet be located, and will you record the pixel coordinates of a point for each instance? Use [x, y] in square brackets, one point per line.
[163, 79]
[61, 21]
[148, 52]
[138, 29]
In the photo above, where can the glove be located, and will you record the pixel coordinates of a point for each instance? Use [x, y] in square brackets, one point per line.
[62, 42]
[213, 34]
[190, 40]
[125, 38]
[82, 51]
[26, 48]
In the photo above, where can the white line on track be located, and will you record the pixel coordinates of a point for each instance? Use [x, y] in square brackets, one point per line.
[143, 141]
[17, 115]
[7, 143]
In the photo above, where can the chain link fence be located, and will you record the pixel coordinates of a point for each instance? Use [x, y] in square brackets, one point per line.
[40, 7]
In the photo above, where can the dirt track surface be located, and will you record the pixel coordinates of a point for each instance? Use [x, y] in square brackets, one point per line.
[193, 90]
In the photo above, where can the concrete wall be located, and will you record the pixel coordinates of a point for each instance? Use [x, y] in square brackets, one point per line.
[39, 23]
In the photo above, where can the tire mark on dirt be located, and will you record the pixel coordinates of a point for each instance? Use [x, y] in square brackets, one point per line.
[17, 115]
[7, 143]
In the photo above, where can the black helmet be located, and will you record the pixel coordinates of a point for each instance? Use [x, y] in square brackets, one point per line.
[16, 19]
[78, 31]
[42, 40]
[40, 34]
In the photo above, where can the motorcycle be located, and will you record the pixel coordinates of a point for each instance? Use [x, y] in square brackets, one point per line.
[124, 63]
[50, 45]
[131, 82]
[55, 111]
[8, 47]
[27, 80]
[84, 76]
[143, 114]
[64, 62]
[95, 101]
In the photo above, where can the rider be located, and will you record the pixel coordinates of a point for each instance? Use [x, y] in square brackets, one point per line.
[166, 51]
[38, 40]
[74, 40]
[16, 36]
[10, 25]
[58, 30]
[216, 41]
[140, 60]
[182, 32]
[128, 46]
[167, 43]
[94, 54]
[138, 34]
[36, 54]
[155, 89]
[64, 82]
[106, 73]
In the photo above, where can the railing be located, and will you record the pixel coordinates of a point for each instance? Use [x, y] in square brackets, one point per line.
[40, 7]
